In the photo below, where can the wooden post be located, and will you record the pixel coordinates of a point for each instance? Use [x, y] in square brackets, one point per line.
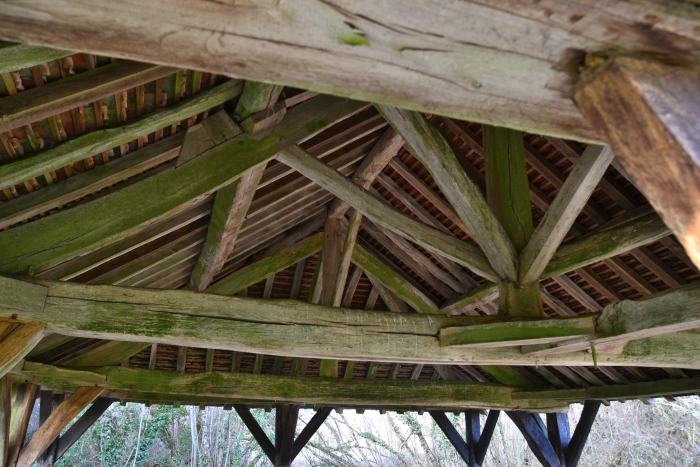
[54, 423]
[648, 112]
[508, 196]
[286, 417]
[22, 407]
[472, 449]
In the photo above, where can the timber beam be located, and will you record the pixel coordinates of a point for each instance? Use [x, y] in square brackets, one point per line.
[618, 324]
[14, 57]
[288, 389]
[660, 102]
[54, 239]
[297, 329]
[89, 144]
[54, 98]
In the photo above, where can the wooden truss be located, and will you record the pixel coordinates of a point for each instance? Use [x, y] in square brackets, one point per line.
[508, 276]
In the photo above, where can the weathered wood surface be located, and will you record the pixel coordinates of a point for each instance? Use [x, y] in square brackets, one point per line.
[644, 109]
[14, 57]
[104, 221]
[624, 234]
[392, 279]
[17, 343]
[53, 426]
[289, 389]
[297, 329]
[81, 425]
[22, 407]
[434, 152]
[562, 213]
[256, 272]
[645, 390]
[256, 96]
[519, 53]
[60, 96]
[21, 295]
[98, 141]
[617, 324]
[518, 333]
[385, 215]
[90, 181]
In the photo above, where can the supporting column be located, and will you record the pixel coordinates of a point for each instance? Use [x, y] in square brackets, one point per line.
[471, 449]
[508, 196]
[551, 444]
[286, 448]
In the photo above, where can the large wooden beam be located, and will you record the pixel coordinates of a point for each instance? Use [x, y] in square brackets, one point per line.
[646, 109]
[434, 152]
[53, 426]
[60, 96]
[81, 425]
[563, 212]
[385, 215]
[515, 77]
[290, 389]
[99, 141]
[22, 407]
[104, 221]
[298, 329]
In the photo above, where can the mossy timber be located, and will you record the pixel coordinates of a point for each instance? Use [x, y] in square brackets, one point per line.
[380, 257]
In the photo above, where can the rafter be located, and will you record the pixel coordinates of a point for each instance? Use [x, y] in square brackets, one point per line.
[431, 148]
[14, 57]
[385, 215]
[98, 141]
[43, 102]
[563, 212]
[84, 228]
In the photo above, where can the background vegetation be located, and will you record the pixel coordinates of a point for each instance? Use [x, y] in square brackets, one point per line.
[630, 434]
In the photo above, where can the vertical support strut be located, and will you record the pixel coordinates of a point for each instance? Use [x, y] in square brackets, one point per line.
[552, 445]
[472, 449]
[286, 448]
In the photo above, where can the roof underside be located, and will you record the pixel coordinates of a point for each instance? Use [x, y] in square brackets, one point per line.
[163, 254]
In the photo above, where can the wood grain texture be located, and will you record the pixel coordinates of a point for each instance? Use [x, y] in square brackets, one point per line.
[104, 221]
[18, 343]
[434, 152]
[256, 272]
[60, 96]
[646, 109]
[14, 57]
[385, 215]
[288, 389]
[519, 54]
[298, 329]
[388, 276]
[53, 426]
[562, 213]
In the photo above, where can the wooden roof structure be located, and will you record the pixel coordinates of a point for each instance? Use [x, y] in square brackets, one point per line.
[387, 211]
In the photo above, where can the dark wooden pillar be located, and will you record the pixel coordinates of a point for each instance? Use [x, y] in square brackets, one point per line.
[472, 449]
[552, 444]
[286, 448]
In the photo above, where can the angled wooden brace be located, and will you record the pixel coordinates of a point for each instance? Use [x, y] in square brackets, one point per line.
[286, 448]
[81, 425]
[551, 444]
[473, 448]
